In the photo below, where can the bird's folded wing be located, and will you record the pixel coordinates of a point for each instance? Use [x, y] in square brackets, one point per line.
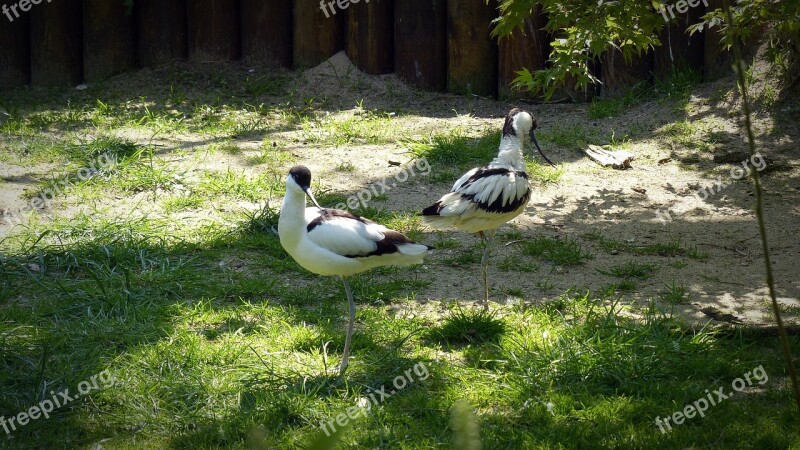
[345, 234]
[498, 191]
[464, 178]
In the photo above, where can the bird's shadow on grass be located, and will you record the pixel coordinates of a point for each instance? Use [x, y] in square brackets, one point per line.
[466, 326]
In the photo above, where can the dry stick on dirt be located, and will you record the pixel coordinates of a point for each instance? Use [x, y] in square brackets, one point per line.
[739, 69]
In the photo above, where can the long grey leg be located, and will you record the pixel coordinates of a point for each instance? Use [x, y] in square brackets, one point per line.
[487, 248]
[350, 325]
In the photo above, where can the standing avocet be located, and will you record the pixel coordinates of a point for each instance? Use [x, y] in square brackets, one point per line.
[336, 242]
[485, 198]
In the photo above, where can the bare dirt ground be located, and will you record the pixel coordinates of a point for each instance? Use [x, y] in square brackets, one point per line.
[586, 201]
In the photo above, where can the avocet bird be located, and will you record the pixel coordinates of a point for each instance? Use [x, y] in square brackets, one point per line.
[336, 242]
[485, 198]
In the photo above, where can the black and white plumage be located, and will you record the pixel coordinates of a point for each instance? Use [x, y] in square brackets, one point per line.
[336, 242]
[487, 197]
[482, 199]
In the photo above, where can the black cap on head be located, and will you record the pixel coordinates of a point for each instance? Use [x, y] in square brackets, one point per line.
[301, 175]
[508, 126]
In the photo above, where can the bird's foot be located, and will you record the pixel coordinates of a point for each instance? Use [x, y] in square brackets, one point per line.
[338, 371]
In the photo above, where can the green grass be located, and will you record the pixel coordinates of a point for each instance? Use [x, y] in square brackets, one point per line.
[182, 203]
[216, 338]
[560, 252]
[567, 135]
[463, 258]
[606, 107]
[512, 263]
[452, 153]
[618, 288]
[467, 326]
[677, 87]
[672, 248]
[345, 166]
[371, 127]
[631, 269]
[675, 293]
[209, 348]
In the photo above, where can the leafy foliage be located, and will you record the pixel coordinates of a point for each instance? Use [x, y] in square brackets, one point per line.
[781, 20]
[582, 30]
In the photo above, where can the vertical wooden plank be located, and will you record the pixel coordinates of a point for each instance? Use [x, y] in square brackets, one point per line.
[678, 50]
[213, 27]
[471, 51]
[108, 47]
[370, 36]
[619, 76]
[717, 61]
[267, 32]
[161, 31]
[15, 52]
[528, 48]
[420, 43]
[56, 48]
[318, 32]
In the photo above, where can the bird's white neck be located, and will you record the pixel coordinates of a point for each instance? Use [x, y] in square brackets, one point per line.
[510, 154]
[291, 223]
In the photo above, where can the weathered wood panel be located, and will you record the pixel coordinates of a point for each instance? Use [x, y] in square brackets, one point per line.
[678, 50]
[213, 30]
[370, 36]
[528, 48]
[161, 31]
[108, 40]
[420, 43]
[318, 34]
[619, 76]
[471, 51]
[56, 48]
[267, 32]
[717, 61]
[15, 55]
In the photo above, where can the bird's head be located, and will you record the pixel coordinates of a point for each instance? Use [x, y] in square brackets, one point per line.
[299, 179]
[520, 123]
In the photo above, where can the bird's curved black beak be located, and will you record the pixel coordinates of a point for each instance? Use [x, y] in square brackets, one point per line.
[536, 143]
[311, 196]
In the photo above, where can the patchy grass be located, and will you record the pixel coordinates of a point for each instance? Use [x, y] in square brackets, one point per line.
[213, 335]
[676, 87]
[601, 108]
[468, 326]
[675, 293]
[673, 247]
[618, 288]
[512, 263]
[631, 269]
[370, 127]
[565, 252]
[216, 338]
[453, 153]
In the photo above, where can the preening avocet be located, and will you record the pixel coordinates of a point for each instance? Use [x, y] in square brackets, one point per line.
[487, 197]
[336, 242]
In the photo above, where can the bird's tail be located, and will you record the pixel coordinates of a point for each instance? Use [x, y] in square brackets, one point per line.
[413, 249]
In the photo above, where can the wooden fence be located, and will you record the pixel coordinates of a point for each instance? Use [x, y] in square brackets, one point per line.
[441, 45]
